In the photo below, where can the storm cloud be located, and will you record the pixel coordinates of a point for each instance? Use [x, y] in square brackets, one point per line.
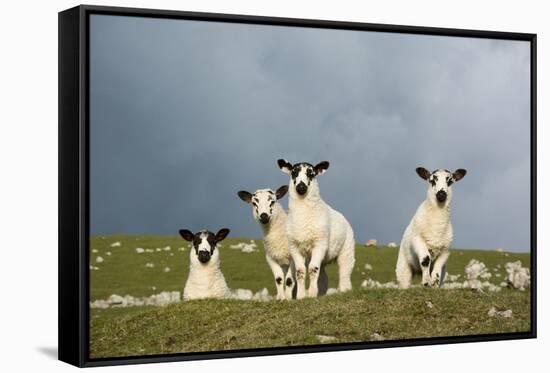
[186, 113]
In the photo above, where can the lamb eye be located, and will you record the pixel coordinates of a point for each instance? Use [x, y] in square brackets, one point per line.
[295, 173]
[271, 203]
[310, 173]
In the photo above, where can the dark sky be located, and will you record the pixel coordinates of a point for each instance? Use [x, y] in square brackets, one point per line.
[184, 114]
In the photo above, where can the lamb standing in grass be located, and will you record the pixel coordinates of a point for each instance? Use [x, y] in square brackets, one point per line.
[316, 233]
[205, 276]
[273, 219]
[426, 241]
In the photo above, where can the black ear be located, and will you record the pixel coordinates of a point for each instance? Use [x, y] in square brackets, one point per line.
[245, 196]
[459, 174]
[423, 173]
[222, 233]
[187, 235]
[320, 168]
[285, 166]
[280, 193]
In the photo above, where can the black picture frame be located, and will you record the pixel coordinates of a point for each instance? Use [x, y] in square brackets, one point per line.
[74, 182]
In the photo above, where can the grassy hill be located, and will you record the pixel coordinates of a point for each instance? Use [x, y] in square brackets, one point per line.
[233, 324]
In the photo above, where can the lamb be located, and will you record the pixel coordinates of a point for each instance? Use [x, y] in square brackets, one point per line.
[205, 276]
[317, 234]
[273, 219]
[428, 237]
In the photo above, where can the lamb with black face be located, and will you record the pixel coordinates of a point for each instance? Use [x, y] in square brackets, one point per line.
[302, 174]
[204, 242]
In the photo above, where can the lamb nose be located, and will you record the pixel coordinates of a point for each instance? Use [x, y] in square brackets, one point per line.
[264, 218]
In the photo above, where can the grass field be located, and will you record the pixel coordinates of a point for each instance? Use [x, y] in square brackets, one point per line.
[233, 324]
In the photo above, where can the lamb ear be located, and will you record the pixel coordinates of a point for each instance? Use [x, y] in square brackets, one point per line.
[321, 167]
[245, 196]
[280, 193]
[222, 233]
[285, 166]
[459, 174]
[423, 173]
[187, 235]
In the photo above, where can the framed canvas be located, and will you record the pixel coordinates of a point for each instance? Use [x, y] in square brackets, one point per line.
[193, 149]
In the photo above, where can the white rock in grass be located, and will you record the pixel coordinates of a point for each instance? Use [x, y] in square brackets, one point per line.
[372, 284]
[245, 247]
[368, 267]
[181, 249]
[108, 253]
[159, 249]
[94, 251]
[139, 250]
[149, 265]
[115, 244]
[325, 338]
[262, 295]
[474, 270]
[332, 291]
[376, 337]
[167, 248]
[166, 269]
[99, 259]
[392, 244]
[242, 294]
[493, 312]
[171, 254]
[371, 242]
[149, 250]
[518, 277]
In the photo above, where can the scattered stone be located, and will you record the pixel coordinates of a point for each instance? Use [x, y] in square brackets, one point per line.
[325, 338]
[181, 249]
[332, 291]
[166, 269]
[99, 259]
[493, 312]
[115, 244]
[149, 265]
[376, 337]
[139, 250]
[108, 253]
[499, 250]
[245, 247]
[392, 244]
[373, 284]
[518, 277]
[429, 304]
[368, 267]
[149, 250]
[94, 251]
[371, 242]
[167, 248]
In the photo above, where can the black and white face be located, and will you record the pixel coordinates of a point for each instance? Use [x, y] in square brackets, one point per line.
[204, 242]
[302, 175]
[439, 183]
[263, 202]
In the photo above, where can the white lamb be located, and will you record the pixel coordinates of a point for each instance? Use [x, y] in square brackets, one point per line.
[427, 239]
[205, 276]
[317, 234]
[273, 219]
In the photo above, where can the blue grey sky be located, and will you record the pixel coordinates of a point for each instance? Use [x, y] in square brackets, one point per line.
[186, 113]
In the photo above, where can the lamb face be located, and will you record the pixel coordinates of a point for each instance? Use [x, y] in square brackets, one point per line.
[263, 202]
[204, 244]
[440, 192]
[302, 175]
